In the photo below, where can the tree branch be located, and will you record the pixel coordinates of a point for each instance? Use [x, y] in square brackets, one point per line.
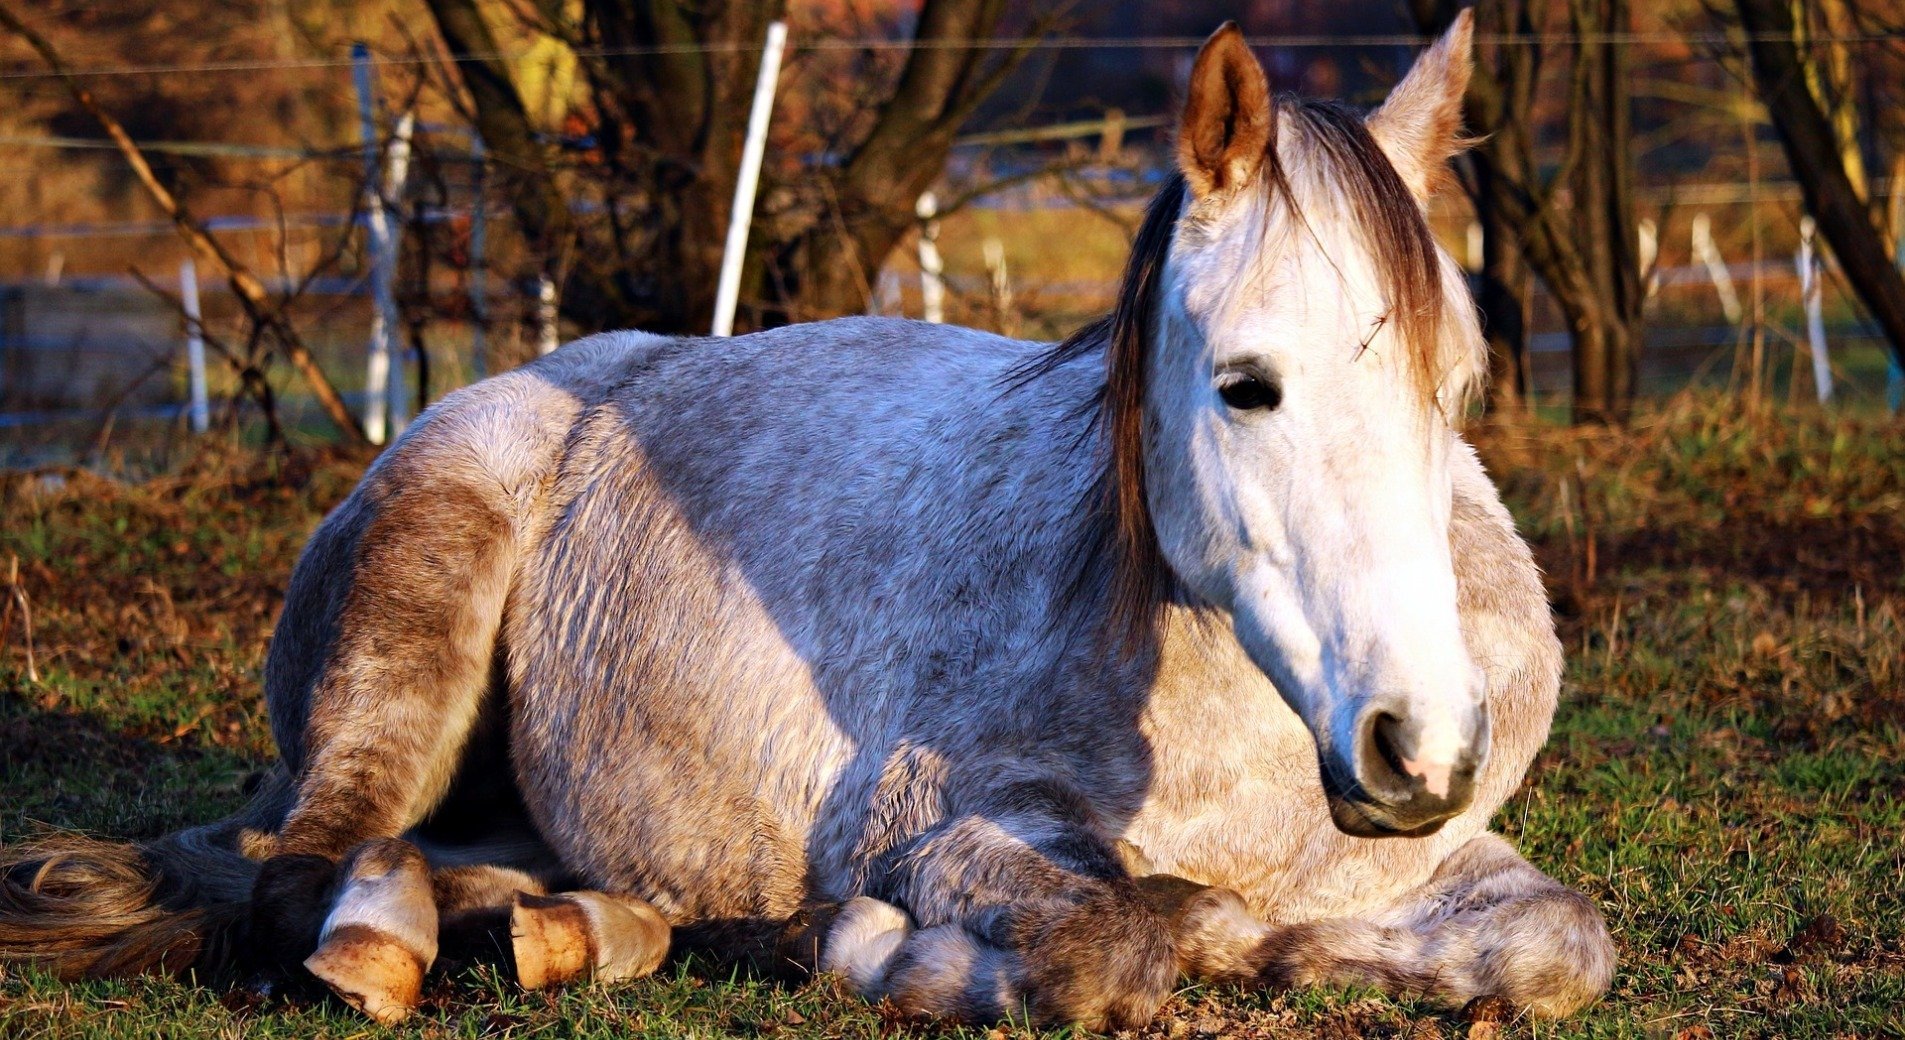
[249, 289]
[1812, 150]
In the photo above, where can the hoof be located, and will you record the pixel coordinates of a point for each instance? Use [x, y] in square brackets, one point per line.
[371, 971]
[863, 941]
[559, 939]
[381, 935]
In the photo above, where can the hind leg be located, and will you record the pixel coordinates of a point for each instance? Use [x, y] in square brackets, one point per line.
[376, 676]
[549, 938]
[1487, 924]
[374, 709]
[391, 914]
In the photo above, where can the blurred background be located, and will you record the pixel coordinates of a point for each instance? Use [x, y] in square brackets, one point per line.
[1692, 193]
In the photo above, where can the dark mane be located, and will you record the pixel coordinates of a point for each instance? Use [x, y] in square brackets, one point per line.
[1348, 163]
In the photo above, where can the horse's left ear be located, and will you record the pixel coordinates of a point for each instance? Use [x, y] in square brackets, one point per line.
[1420, 125]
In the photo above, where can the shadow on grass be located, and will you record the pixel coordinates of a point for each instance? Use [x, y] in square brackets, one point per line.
[73, 770]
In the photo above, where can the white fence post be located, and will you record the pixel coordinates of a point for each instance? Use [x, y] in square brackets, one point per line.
[377, 365]
[728, 291]
[932, 283]
[1709, 254]
[1648, 234]
[1813, 293]
[384, 397]
[396, 172]
[194, 346]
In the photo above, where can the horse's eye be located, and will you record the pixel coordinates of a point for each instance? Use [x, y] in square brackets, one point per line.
[1245, 393]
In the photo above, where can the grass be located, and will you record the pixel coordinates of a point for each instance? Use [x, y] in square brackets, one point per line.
[1726, 775]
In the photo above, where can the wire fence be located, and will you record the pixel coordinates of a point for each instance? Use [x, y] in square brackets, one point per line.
[95, 364]
[94, 367]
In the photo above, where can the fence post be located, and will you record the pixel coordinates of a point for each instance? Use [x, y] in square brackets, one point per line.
[1002, 316]
[1812, 292]
[396, 172]
[194, 346]
[1895, 374]
[1709, 254]
[728, 290]
[479, 263]
[377, 368]
[932, 283]
[1648, 244]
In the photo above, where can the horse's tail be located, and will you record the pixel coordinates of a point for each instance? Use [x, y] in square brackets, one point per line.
[85, 908]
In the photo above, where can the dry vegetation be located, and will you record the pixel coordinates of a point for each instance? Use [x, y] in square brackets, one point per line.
[1726, 775]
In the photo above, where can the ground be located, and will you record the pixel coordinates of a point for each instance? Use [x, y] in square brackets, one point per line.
[1726, 776]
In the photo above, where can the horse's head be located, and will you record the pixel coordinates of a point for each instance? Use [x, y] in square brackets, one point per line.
[1306, 348]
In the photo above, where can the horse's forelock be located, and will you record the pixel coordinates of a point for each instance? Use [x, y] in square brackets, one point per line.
[1348, 162]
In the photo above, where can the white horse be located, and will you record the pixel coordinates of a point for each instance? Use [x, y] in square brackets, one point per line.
[1000, 678]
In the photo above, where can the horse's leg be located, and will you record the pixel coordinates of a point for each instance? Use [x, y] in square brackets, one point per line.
[416, 583]
[1487, 924]
[561, 938]
[1021, 913]
[377, 674]
[549, 938]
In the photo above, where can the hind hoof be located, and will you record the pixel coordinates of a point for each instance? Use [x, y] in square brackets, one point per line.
[371, 972]
[559, 939]
[381, 935]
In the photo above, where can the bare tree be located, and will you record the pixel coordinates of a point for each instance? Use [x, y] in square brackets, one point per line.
[1818, 160]
[267, 319]
[1576, 230]
[668, 84]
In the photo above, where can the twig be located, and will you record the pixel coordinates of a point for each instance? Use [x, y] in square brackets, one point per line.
[18, 597]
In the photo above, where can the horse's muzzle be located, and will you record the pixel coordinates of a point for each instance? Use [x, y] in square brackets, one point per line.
[1384, 789]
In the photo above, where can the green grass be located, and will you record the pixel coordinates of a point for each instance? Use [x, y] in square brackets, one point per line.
[1726, 775]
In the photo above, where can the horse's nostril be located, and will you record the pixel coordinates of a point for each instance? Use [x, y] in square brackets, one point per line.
[1385, 734]
[1379, 759]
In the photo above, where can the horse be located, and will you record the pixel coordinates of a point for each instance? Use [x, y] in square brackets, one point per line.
[1000, 679]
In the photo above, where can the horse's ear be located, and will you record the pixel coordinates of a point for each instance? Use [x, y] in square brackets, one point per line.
[1227, 121]
[1420, 126]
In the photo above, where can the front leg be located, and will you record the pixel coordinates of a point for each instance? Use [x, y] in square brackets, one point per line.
[1014, 911]
[1487, 924]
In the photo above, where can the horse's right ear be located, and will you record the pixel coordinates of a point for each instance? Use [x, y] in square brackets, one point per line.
[1228, 119]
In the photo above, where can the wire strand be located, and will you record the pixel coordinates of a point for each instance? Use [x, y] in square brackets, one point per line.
[997, 43]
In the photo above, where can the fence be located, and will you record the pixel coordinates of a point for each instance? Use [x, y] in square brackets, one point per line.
[92, 362]
[90, 365]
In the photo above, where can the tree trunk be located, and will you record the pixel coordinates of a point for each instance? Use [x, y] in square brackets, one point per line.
[1607, 345]
[671, 84]
[1504, 288]
[1813, 153]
